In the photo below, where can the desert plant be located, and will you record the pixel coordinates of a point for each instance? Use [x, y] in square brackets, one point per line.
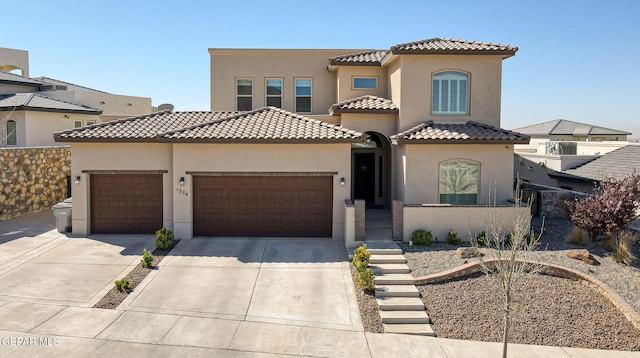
[452, 237]
[122, 285]
[164, 239]
[481, 238]
[422, 237]
[147, 258]
[575, 236]
[360, 260]
[623, 249]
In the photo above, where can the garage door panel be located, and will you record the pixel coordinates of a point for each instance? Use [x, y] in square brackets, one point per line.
[262, 205]
[126, 203]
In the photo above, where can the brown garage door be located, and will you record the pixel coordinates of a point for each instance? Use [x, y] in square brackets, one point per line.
[126, 203]
[262, 205]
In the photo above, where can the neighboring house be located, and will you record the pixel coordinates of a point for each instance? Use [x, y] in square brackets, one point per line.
[564, 130]
[294, 135]
[13, 60]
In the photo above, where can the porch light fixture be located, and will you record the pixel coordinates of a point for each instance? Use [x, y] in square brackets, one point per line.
[342, 181]
[77, 179]
[181, 181]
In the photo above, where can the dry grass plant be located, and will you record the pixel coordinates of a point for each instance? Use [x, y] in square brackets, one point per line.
[576, 236]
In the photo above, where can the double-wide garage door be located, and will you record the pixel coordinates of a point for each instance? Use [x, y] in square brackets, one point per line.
[126, 203]
[262, 206]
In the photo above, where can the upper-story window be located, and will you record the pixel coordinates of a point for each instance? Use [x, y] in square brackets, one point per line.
[77, 124]
[459, 182]
[303, 95]
[450, 93]
[273, 92]
[365, 83]
[244, 94]
[12, 137]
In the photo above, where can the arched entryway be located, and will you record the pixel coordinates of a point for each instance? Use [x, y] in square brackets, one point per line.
[370, 170]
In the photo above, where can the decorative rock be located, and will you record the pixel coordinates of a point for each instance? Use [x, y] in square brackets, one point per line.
[466, 252]
[582, 255]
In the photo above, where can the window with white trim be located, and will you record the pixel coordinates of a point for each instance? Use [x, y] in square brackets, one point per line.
[303, 95]
[273, 92]
[459, 182]
[90, 122]
[450, 93]
[244, 94]
[365, 83]
[12, 136]
[77, 124]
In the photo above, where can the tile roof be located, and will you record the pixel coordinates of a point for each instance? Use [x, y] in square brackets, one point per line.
[617, 164]
[364, 104]
[452, 46]
[264, 125]
[565, 127]
[459, 133]
[53, 81]
[7, 77]
[38, 102]
[372, 58]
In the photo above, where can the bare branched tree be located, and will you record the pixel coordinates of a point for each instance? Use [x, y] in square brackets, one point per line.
[505, 256]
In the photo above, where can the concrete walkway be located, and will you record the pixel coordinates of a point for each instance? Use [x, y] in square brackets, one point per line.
[211, 297]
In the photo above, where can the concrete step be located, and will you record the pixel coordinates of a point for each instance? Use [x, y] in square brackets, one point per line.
[404, 317]
[396, 251]
[383, 248]
[419, 329]
[389, 268]
[400, 304]
[397, 291]
[387, 259]
[394, 279]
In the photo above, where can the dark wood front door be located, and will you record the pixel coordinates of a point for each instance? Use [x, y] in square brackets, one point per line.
[262, 206]
[364, 181]
[126, 203]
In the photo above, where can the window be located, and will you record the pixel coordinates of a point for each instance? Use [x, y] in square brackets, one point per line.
[459, 182]
[273, 92]
[90, 122]
[77, 124]
[303, 95]
[12, 137]
[244, 94]
[365, 83]
[450, 93]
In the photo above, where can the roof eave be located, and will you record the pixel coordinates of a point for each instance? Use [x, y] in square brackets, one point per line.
[9, 82]
[259, 141]
[461, 141]
[54, 110]
[504, 53]
[364, 111]
[58, 139]
[346, 63]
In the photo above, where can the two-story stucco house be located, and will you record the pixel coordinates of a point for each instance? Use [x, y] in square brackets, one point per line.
[294, 135]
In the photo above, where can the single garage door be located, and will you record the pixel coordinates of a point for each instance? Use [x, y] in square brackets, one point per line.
[262, 206]
[126, 203]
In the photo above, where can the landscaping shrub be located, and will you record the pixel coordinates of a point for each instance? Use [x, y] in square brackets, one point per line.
[164, 239]
[622, 251]
[122, 285]
[147, 258]
[452, 237]
[481, 238]
[575, 236]
[422, 237]
[361, 262]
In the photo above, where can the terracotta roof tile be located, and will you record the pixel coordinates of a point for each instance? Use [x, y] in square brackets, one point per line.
[449, 46]
[38, 102]
[373, 58]
[364, 104]
[462, 133]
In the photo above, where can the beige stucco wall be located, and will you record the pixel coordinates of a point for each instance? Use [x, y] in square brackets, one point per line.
[345, 76]
[229, 64]
[117, 156]
[485, 76]
[259, 158]
[11, 89]
[39, 126]
[420, 163]
[115, 106]
[11, 59]
[382, 123]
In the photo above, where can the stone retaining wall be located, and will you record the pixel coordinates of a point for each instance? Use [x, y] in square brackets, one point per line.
[32, 179]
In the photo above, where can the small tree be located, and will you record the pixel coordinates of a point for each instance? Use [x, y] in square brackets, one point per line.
[612, 206]
[506, 259]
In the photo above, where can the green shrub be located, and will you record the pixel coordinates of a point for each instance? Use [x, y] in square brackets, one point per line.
[531, 237]
[164, 239]
[365, 279]
[360, 260]
[422, 237]
[147, 258]
[122, 285]
[481, 238]
[452, 237]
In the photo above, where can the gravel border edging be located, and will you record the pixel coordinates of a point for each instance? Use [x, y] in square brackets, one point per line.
[550, 269]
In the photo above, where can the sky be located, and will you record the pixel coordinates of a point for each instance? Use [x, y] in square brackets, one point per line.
[577, 60]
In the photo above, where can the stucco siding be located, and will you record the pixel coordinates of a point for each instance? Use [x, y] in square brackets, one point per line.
[345, 81]
[385, 124]
[39, 126]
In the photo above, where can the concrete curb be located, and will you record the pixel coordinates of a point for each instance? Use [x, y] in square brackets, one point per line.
[549, 269]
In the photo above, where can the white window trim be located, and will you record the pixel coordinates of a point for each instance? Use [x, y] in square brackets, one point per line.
[91, 122]
[354, 88]
[296, 94]
[244, 95]
[457, 113]
[281, 95]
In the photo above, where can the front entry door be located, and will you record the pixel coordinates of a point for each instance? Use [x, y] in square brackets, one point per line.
[364, 181]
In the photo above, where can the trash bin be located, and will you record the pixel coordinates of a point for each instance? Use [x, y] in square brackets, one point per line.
[62, 213]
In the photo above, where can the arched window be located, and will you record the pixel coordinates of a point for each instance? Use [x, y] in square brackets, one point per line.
[11, 133]
[459, 182]
[450, 93]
